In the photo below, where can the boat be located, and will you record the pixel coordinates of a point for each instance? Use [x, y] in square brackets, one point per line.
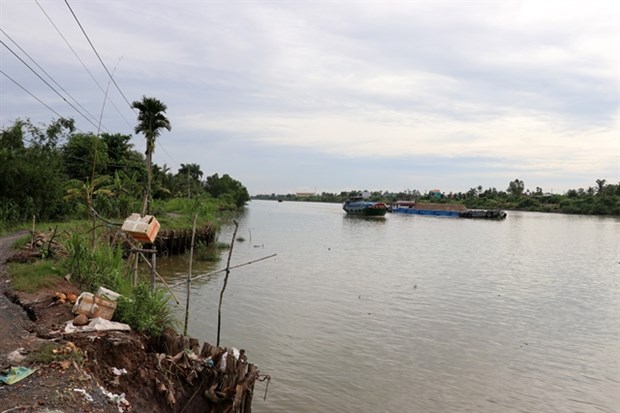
[361, 207]
[445, 210]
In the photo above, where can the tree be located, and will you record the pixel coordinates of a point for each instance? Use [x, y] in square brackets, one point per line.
[190, 174]
[85, 156]
[601, 185]
[32, 176]
[121, 155]
[516, 187]
[227, 186]
[151, 121]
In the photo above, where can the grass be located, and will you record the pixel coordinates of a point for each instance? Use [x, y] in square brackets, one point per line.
[56, 352]
[35, 276]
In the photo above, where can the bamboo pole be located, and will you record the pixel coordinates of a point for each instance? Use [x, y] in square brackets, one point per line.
[189, 275]
[219, 307]
[159, 276]
[222, 270]
[153, 266]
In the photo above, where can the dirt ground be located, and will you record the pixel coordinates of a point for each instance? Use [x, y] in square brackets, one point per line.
[111, 371]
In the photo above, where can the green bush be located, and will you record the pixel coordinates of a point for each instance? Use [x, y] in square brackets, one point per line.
[103, 267]
[145, 310]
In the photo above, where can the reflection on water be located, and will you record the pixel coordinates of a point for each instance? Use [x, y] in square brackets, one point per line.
[419, 314]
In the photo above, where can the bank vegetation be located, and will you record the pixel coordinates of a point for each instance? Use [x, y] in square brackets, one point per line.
[600, 199]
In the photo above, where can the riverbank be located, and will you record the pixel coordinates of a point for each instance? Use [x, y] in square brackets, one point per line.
[108, 371]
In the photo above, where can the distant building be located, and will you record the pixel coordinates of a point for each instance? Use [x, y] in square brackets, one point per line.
[435, 193]
[304, 194]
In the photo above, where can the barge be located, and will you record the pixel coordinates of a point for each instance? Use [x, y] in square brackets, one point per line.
[445, 210]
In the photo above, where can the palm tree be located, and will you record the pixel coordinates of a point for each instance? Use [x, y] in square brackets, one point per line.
[151, 120]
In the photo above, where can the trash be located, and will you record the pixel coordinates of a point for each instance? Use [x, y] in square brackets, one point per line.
[234, 352]
[118, 372]
[107, 294]
[15, 374]
[143, 229]
[85, 393]
[97, 324]
[117, 376]
[94, 306]
[122, 404]
[16, 356]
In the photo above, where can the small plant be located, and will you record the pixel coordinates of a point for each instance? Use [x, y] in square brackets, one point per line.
[145, 310]
[103, 267]
[57, 353]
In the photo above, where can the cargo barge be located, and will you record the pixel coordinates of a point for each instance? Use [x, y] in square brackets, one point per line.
[445, 210]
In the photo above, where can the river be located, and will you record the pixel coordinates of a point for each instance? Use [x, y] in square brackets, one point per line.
[418, 314]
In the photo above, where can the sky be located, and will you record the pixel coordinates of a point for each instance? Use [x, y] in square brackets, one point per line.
[331, 96]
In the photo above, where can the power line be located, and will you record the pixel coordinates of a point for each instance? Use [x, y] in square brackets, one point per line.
[39, 100]
[81, 62]
[47, 83]
[98, 57]
[50, 77]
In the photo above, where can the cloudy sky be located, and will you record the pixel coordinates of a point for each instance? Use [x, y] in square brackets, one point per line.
[290, 96]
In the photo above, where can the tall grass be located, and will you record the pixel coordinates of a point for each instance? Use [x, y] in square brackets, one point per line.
[146, 310]
[101, 267]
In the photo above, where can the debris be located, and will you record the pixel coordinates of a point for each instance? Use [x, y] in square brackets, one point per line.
[15, 374]
[16, 356]
[118, 372]
[118, 399]
[97, 324]
[85, 394]
[94, 306]
[143, 229]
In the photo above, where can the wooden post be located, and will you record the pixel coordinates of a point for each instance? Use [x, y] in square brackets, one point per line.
[219, 307]
[32, 238]
[134, 282]
[153, 271]
[189, 275]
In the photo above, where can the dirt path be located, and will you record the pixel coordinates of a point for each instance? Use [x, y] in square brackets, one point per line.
[15, 326]
[51, 389]
[81, 372]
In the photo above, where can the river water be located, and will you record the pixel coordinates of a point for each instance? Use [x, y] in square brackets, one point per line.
[418, 314]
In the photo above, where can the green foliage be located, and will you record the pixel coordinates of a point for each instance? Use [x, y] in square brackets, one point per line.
[178, 212]
[9, 215]
[34, 276]
[103, 267]
[85, 154]
[56, 352]
[122, 157]
[207, 252]
[145, 310]
[31, 177]
[230, 190]
[603, 200]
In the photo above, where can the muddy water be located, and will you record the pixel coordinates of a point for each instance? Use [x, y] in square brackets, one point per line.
[420, 314]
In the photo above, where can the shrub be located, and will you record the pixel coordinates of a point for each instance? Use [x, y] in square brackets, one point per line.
[103, 267]
[145, 310]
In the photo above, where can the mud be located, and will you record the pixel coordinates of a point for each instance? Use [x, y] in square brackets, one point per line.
[108, 371]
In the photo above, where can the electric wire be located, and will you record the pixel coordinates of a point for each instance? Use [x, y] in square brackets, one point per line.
[47, 83]
[98, 57]
[82, 63]
[51, 78]
[38, 100]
